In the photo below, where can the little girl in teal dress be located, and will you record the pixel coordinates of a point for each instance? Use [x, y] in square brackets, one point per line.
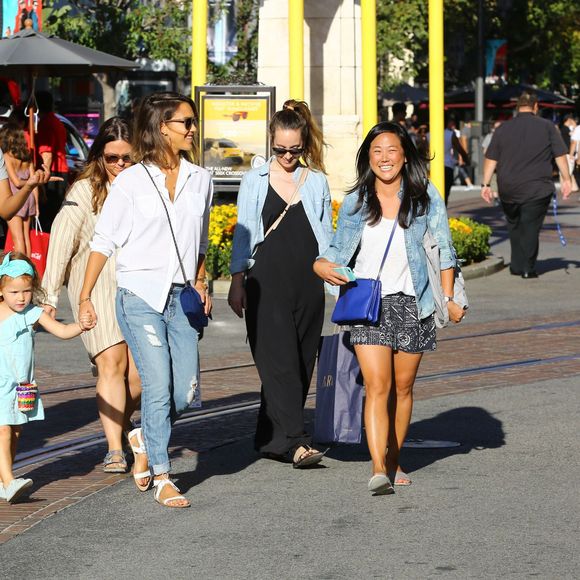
[19, 401]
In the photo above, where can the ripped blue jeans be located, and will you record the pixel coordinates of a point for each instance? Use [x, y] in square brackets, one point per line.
[165, 349]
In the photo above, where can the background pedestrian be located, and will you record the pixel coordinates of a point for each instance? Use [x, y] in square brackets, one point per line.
[18, 164]
[522, 151]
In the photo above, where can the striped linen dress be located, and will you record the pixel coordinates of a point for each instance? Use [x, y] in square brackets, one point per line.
[68, 254]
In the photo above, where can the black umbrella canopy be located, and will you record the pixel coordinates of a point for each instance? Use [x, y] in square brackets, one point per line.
[406, 93]
[33, 53]
[503, 95]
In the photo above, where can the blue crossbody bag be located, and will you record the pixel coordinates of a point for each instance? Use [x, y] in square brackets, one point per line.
[360, 301]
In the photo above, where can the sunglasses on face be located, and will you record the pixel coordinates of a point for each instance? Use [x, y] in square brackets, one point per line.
[112, 159]
[187, 122]
[294, 151]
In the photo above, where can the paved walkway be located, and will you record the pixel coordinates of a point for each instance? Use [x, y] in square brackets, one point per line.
[501, 503]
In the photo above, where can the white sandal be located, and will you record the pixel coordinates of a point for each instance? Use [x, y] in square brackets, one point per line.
[159, 484]
[139, 449]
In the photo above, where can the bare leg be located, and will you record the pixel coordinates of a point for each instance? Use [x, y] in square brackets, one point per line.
[111, 392]
[133, 385]
[405, 370]
[376, 363]
[16, 228]
[26, 229]
[7, 444]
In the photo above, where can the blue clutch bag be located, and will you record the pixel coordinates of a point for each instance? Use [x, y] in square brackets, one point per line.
[359, 303]
[193, 307]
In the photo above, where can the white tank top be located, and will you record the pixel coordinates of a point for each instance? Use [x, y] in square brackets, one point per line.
[396, 276]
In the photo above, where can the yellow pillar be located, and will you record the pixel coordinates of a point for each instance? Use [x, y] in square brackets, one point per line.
[199, 44]
[369, 64]
[436, 94]
[296, 48]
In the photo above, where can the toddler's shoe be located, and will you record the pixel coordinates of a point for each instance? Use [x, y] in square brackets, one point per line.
[16, 488]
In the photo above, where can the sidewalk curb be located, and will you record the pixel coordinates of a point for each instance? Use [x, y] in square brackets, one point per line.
[489, 266]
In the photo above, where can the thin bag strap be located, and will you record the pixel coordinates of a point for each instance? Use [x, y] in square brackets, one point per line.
[387, 249]
[169, 220]
[289, 204]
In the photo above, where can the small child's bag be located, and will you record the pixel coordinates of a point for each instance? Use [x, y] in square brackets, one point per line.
[26, 393]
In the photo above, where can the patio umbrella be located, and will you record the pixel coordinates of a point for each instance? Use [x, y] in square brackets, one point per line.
[406, 93]
[34, 54]
[37, 54]
[505, 97]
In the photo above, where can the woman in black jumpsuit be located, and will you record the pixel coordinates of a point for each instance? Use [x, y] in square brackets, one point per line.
[283, 298]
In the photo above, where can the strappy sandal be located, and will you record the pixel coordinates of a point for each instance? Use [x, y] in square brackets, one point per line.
[139, 449]
[401, 478]
[115, 462]
[159, 484]
[307, 458]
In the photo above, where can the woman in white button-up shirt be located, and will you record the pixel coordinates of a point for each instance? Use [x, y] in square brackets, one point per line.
[149, 276]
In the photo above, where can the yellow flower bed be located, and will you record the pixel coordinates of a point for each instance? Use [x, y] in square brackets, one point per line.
[222, 222]
[458, 226]
[470, 238]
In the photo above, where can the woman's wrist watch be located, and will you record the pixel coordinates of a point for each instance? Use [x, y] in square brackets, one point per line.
[448, 299]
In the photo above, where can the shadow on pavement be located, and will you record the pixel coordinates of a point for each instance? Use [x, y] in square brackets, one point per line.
[473, 427]
[554, 264]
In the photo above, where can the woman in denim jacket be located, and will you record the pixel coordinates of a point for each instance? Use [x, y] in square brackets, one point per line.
[392, 195]
[284, 222]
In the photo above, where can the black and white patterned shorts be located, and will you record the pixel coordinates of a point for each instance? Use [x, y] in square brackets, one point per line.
[399, 327]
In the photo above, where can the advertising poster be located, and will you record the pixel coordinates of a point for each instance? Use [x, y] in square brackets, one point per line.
[234, 134]
[15, 13]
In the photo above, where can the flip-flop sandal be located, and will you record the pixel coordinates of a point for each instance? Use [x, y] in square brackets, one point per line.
[115, 462]
[308, 457]
[379, 484]
[139, 449]
[16, 488]
[159, 484]
[402, 479]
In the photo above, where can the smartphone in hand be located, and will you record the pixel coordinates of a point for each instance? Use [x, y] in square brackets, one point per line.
[346, 272]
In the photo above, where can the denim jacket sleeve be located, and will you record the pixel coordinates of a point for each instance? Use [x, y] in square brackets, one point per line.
[242, 243]
[438, 223]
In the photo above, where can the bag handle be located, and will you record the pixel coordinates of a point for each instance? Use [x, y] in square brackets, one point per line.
[170, 226]
[285, 210]
[387, 249]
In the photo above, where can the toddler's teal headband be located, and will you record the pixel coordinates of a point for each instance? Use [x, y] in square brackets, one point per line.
[15, 268]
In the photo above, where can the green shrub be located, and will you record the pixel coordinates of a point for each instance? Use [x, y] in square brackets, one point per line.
[470, 238]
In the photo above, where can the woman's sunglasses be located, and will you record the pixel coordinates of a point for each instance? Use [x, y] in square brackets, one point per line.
[112, 159]
[294, 151]
[187, 122]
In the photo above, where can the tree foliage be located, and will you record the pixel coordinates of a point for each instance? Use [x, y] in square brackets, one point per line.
[126, 28]
[543, 39]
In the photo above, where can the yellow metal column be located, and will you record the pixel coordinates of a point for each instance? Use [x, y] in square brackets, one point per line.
[436, 94]
[198, 44]
[369, 64]
[296, 48]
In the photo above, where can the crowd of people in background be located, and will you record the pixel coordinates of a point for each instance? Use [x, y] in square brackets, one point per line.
[129, 240]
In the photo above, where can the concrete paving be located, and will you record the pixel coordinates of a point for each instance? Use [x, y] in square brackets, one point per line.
[504, 503]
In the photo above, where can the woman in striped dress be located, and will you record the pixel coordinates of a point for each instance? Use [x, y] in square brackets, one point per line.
[118, 385]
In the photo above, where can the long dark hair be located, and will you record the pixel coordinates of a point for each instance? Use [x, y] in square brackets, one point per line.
[414, 177]
[296, 115]
[153, 110]
[113, 129]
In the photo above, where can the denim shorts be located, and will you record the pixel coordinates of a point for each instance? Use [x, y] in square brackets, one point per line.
[399, 327]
